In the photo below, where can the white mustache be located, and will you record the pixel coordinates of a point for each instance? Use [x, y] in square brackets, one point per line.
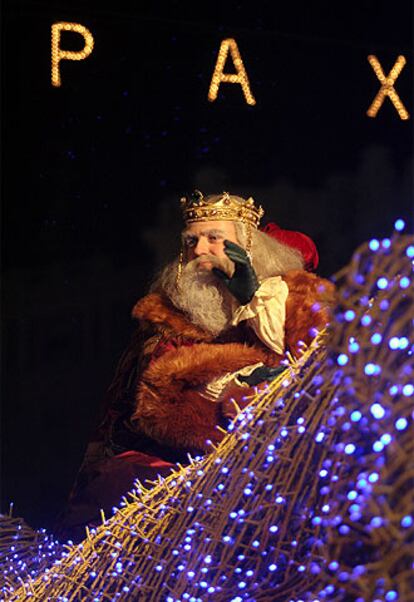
[224, 264]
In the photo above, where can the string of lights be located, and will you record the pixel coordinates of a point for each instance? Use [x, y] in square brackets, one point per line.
[310, 494]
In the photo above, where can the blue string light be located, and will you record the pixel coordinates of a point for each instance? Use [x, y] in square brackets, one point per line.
[349, 448]
[366, 320]
[399, 224]
[349, 315]
[378, 446]
[353, 346]
[394, 343]
[376, 338]
[384, 305]
[401, 424]
[372, 369]
[408, 390]
[342, 359]
[404, 342]
[386, 439]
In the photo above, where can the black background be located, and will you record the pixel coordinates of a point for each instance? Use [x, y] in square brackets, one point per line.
[92, 174]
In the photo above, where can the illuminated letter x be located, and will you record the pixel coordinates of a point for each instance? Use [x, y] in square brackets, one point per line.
[387, 88]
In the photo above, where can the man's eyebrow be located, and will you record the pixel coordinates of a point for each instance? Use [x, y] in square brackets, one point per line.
[186, 234]
[204, 232]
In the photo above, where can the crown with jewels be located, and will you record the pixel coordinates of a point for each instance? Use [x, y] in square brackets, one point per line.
[224, 207]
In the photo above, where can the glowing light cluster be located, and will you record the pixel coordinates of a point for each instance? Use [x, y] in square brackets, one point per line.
[230, 45]
[378, 425]
[25, 553]
[69, 55]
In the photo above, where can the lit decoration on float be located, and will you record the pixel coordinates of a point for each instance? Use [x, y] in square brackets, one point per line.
[69, 55]
[24, 552]
[387, 87]
[233, 78]
[308, 497]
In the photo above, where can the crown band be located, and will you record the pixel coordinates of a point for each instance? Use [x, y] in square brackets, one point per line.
[224, 207]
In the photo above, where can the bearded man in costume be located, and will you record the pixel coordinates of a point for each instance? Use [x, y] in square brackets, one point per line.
[216, 323]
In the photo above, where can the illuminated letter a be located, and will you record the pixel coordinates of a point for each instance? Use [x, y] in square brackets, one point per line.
[233, 78]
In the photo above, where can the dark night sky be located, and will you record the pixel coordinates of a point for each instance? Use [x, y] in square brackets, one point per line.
[92, 172]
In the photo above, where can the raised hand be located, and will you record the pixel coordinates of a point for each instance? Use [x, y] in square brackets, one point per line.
[243, 283]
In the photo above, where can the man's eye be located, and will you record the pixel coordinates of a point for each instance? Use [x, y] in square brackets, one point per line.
[190, 242]
[213, 238]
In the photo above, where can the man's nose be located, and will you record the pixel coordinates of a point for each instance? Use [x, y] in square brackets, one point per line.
[202, 247]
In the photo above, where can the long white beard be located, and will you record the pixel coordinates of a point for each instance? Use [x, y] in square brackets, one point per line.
[200, 295]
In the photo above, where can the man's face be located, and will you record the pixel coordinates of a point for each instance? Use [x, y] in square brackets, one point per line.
[207, 238]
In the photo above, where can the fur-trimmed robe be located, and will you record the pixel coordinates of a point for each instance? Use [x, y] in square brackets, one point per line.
[155, 414]
[168, 405]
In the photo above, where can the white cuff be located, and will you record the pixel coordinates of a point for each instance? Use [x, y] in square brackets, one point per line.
[266, 313]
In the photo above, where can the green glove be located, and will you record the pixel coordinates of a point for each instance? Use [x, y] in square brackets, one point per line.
[243, 284]
[261, 374]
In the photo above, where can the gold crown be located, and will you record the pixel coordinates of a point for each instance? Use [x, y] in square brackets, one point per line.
[224, 207]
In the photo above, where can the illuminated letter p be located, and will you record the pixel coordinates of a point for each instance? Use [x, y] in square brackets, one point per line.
[58, 54]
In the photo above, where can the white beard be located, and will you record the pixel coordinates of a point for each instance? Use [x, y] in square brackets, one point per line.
[199, 294]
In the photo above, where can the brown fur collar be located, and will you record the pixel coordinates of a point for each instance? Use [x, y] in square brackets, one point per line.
[169, 407]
